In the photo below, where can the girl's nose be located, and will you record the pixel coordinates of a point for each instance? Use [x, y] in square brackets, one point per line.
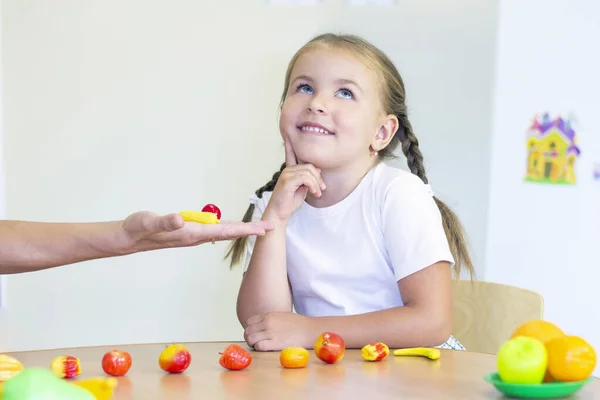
[317, 106]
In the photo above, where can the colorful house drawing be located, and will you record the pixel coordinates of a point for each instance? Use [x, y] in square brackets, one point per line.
[551, 151]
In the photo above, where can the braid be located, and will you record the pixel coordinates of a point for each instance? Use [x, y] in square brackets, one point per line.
[269, 186]
[410, 148]
[239, 245]
[452, 226]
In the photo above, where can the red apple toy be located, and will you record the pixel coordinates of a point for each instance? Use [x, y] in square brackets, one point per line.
[116, 362]
[211, 208]
[175, 359]
[330, 347]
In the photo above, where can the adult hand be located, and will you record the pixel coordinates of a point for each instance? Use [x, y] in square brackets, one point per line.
[146, 230]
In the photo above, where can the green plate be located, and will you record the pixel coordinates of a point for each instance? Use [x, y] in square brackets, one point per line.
[541, 391]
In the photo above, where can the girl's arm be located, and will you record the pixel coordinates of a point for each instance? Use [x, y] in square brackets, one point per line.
[265, 286]
[424, 321]
[421, 259]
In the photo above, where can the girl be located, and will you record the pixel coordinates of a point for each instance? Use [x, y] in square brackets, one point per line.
[358, 247]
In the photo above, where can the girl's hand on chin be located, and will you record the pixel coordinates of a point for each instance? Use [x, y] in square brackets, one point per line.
[294, 183]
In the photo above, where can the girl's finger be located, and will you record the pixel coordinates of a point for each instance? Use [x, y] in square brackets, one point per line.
[307, 179]
[257, 327]
[256, 337]
[316, 172]
[290, 156]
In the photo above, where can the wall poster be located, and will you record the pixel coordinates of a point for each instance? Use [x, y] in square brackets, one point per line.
[552, 151]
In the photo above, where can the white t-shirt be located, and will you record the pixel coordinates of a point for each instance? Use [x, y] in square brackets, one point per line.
[347, 258]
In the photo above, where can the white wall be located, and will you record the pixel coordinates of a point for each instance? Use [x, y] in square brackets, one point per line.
[89, 85]
[545, 237]
[2, 177]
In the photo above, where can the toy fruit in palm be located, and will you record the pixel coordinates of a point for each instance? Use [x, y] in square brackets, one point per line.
[522, 360]
[66, 366]
[175, 359]
[330, 347]
[39, 383]
[293, 357]
[211, 208]
[235, 358]
[375, 351]
[9, 367]
[201, 217]
[570, 359]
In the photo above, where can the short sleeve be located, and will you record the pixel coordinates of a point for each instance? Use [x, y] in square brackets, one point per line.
[412, 227]
[260, 204]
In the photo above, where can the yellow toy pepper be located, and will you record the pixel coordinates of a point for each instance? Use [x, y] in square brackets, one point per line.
[375, 351]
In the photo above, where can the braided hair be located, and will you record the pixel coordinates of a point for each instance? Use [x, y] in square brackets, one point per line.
[236, 250]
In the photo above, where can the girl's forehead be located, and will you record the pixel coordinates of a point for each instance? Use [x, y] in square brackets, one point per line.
[333, 63]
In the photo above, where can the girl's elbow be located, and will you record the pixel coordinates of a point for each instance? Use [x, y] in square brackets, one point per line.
[441, 330]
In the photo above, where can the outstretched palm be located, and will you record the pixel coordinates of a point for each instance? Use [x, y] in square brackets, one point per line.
[151, 231]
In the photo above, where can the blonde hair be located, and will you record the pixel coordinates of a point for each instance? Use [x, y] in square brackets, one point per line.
[393, 99]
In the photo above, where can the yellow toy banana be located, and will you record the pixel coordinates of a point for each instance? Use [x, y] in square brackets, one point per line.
[101, 387]
[201, 217]
[432, 354]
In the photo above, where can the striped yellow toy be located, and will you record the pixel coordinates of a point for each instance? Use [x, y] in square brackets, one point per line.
[201, 217]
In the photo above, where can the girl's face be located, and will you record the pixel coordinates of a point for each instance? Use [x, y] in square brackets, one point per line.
[332, 113]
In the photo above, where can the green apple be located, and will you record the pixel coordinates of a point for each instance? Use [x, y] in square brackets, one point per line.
[41, 384]
[522, 360]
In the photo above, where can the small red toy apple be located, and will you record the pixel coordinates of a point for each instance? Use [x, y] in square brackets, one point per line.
[330, 347]
[235, 358]
[175, 359]
[116, 362]
[212, 209]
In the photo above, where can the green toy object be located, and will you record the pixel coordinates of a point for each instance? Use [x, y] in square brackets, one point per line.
[41, 384]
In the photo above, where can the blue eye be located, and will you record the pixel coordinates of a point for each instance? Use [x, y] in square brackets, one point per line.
[304, 88]
[346, 93]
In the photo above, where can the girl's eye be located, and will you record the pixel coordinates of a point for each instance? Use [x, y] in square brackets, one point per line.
[345, 93]
[304, 88]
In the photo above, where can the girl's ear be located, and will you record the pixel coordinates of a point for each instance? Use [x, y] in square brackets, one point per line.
[388, 128]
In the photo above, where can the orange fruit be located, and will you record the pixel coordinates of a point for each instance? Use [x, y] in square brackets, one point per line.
[538, 329]
[570, 358]
[293, 357]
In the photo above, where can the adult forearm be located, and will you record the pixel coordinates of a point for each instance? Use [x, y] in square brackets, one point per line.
[265, 286]
[396, 327]
[30, 246]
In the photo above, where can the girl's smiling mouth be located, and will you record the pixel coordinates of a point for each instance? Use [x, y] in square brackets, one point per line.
[315, 129]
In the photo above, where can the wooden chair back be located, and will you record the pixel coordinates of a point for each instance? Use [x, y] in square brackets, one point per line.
[486, 313]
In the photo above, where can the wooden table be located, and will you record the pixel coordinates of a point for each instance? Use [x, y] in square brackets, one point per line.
[456, 375]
